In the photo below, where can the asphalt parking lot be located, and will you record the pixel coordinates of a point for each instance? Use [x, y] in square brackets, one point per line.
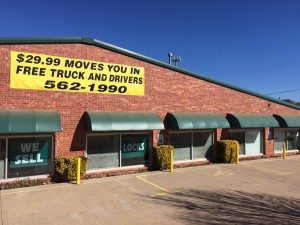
[263, 191]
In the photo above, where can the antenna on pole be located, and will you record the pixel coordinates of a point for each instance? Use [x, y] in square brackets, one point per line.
[174, 60]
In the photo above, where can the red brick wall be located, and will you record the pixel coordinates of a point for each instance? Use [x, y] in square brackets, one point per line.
[269, 141]
[218, 135]
[165, 91]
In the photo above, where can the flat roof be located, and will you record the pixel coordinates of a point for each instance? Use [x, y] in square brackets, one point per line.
[97, 43]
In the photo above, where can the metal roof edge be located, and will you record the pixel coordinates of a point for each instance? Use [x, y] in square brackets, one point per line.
[97, 43]
[40, 40]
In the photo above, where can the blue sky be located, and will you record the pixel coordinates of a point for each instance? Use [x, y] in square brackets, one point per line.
[253, 44]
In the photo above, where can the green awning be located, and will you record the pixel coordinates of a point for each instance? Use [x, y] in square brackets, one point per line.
[29, 121]
[195, 121]
[288, 120]
[115, 121]
[251, 120]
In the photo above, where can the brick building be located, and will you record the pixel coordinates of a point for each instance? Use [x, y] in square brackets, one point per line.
[80, 96]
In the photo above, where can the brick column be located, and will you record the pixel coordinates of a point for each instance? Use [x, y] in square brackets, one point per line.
[155, 137]
[218, 135]
[268, 134]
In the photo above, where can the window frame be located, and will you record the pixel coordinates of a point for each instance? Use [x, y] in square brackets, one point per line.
[7, 137]
[191, 134]
[262, 143]
[286, 130]
[150, 140]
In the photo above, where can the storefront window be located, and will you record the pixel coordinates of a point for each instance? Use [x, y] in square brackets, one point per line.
[192, 145]
[134, 149]
[279, 138]
[182, 145]
[114, 150]
[29, 156]
[253, 142]
[103, 151]
[202, 144]
[250, 141]
[2, 157]
[292, 139]
[289, 136]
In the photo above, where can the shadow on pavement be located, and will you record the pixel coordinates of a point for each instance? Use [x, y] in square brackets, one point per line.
[227, 207]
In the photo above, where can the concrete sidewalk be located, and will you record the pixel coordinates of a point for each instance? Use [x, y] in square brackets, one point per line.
[253, 192]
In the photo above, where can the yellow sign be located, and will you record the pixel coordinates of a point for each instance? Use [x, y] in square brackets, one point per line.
[45, 72]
